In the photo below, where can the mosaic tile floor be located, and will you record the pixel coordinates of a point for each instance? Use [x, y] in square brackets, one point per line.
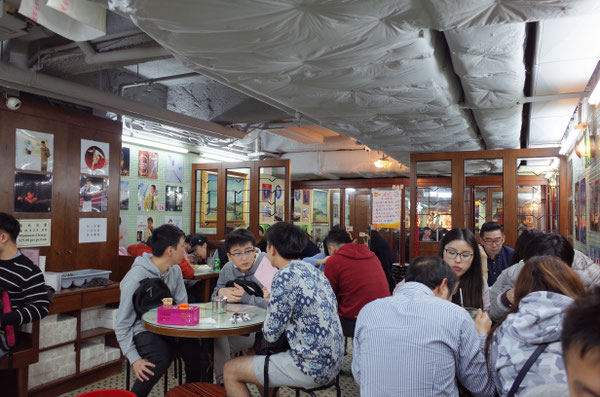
[348, 385]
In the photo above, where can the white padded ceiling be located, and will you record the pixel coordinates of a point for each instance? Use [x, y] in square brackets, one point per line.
[400, 76]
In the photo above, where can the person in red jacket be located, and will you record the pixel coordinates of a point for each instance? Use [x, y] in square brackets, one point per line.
[139, 248]
[355, 275]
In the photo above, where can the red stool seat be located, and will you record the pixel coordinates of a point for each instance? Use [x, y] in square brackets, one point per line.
[198, 389]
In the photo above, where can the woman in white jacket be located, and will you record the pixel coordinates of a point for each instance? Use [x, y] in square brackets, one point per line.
[546, 286]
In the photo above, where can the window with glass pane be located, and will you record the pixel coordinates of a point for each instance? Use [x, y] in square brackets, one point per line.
[537, 193]
[271, 208]
[206, 201]
[238, 198]
[434, 203]
[483, 192]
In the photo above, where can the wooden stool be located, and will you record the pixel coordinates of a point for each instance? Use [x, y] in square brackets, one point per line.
[198, 389]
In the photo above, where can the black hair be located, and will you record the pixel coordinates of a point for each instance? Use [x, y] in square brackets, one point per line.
[426, 228]
[325, 249]
[581, 327]
[239, 237]
[154, 186]
[550, 244]
[260, 228]
[289, 240]
[431, 271]
[163, 237]
[10, 225]
[489, 227]
[471, 282]
[43, 142]
[150, 219]
[524, 239]
[522, 228]
[338, 237]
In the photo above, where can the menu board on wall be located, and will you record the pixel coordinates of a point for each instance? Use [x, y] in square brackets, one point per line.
[387, 205]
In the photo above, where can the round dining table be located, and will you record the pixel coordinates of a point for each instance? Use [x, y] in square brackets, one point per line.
[211, 325]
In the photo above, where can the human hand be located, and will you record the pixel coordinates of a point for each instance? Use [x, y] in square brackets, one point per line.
[266, 294]
[482, 252]
[232, 294]
[141, 367]
[482, 322]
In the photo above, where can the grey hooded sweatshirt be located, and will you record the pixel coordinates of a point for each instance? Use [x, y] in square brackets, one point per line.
[230, 272]
[128, 324]
[539, 320]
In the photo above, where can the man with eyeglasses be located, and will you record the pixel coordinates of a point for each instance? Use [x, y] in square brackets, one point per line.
[244, 261]
[498, 255]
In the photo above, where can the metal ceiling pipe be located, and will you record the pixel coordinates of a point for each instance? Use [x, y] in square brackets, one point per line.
[72, 45]
[53, 87]
[123, 87]
[130, 54]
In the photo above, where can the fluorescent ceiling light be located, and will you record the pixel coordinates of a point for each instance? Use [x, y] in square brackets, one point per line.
[567, 143]
[222, 155]
[145, 142]
[219, 157]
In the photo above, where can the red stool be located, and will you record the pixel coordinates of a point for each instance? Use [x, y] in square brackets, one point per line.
[108, 393]
[197, 389]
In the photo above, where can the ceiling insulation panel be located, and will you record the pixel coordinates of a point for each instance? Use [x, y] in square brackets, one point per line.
[378, 70]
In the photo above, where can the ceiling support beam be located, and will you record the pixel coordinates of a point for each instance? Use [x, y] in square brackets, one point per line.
[53, 87]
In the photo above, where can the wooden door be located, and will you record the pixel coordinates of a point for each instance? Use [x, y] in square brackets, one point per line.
[360, 213]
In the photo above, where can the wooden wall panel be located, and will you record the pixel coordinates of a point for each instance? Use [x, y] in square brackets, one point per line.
[68, 127]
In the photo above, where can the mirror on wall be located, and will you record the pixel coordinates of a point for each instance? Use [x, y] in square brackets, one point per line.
[237, 200]
[484, 198]
[538, 195]
[434, 199]
[272, 188]
[206, 199]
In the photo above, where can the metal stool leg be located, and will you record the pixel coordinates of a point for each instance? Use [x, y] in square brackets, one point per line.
[166, 382]
[180, 370]
[127, 377]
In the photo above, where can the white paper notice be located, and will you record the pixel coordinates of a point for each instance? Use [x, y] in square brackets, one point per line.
[34, 233]
[92, 230]
[387, 206]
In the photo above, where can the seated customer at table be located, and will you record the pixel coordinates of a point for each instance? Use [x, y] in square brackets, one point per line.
[581, 346]
[355, 275]
[20, 278]
[243, 263]
[499, 256]
[545, 288]
[150, 354]
[140, 248]
[547, 244]
[303, 308]
[417, 343]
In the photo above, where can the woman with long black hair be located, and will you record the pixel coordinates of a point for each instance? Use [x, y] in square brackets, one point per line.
[460, 250]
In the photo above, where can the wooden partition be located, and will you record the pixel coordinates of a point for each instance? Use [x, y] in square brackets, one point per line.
[457, 181]
[68, 128]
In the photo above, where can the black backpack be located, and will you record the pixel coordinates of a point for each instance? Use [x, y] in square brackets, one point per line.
[248, 285]
[149, 295]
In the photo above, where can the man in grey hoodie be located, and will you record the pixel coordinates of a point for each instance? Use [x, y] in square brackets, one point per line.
[150, 354]
[244, 260]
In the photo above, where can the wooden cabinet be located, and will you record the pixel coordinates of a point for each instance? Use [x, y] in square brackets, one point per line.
[71, 302]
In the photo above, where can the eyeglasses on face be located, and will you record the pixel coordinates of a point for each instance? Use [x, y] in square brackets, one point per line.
[246, 253]
[463, 255]
[497, 240]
